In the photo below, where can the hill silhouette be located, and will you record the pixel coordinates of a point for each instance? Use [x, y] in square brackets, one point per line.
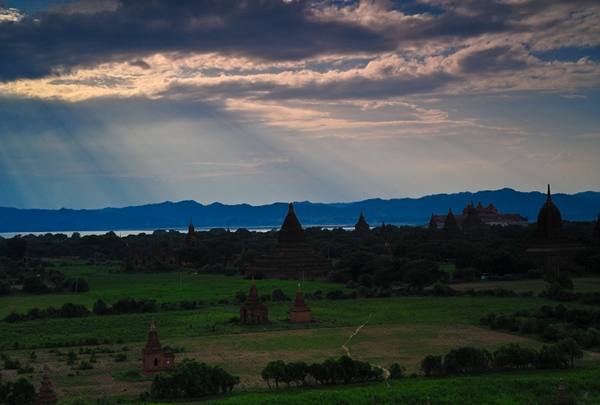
[176, 215]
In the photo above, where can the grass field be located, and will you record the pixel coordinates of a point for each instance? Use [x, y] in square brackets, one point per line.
[396, 329]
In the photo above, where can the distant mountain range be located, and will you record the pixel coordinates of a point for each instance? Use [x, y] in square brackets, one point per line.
[413, 211]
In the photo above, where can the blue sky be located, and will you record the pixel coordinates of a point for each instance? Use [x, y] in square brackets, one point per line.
[117, 103]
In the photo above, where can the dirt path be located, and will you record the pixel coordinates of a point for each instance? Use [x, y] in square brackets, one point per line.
[386, 372]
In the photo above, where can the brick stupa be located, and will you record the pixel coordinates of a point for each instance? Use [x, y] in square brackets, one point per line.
[154, 358]
[292, 257]
[299, 312]
[46, 395]
[253, 310]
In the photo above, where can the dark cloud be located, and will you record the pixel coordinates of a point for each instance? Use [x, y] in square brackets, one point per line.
[269, 30]
[496, 59]
[89, 32]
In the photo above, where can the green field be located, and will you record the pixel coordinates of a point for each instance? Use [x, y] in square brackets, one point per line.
[397, 329]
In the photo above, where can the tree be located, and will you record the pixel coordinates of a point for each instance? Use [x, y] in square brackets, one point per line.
[397, 371]
[467, 360]
[571, 349]
[432, 365]
[276, 371]
[23, 393]
[16, 248]
[421, 273]
[34, 285]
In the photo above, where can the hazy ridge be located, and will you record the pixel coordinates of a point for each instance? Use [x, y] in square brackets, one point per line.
[583, 206]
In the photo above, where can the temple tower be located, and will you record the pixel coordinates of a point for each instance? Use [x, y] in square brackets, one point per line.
[46, 395]
[253, 310]
[299, 312]
[361, 228]
[549, 221]
[154, 358]
[292, 257]
[451, 228]
[191, 238]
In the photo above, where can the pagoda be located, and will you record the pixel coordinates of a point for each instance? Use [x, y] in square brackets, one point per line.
[253, 310]
[451, 227]
[292, 257]
[549, 245]
[299, 312]
[46, 395]
[361, 228]
[154, 358]
[191, 238]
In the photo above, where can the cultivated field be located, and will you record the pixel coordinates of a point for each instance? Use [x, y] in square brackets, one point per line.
[397, 329]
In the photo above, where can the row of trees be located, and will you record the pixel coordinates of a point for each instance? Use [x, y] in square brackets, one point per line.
[552, 324]
[192, 380]
[331, 371]
[470, 360]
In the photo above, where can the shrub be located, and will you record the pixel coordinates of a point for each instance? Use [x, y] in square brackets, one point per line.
[432, 365]
[397, 371]
[121, 357]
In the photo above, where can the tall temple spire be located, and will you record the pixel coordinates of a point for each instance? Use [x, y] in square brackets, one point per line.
[549, 196]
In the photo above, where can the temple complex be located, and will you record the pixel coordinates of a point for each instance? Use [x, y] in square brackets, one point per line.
[299, 312]
[361, 228]
[253, 310]
[549, 245]
[486, 217]
[292, 257]
[154, 358]
[46, 395]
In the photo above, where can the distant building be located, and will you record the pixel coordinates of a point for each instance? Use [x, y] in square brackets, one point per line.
[253, 310]
[299, 312]
[191, 238]
[549, 245]
[292, 257]
[361, 228]
[154, 358]
[478, 218]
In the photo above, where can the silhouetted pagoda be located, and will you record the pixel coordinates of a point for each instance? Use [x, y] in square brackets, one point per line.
[361, 228]
[292, 257]
[154, 358]
[46, 395]
[191, 238]
[451, 227]
[253, 310]
[549, 244]
[299, 312]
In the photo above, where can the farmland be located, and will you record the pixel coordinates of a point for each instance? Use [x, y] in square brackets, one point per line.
[396, 330]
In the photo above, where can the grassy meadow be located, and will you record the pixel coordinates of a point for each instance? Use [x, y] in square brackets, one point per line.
[396, 329]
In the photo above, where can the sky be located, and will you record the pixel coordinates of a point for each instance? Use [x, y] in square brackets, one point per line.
[119, 103]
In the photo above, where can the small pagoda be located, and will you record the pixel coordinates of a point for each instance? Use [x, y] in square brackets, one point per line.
[47, 396]
[299, 312]
[292, 257]
[154, 358]
[253, 310]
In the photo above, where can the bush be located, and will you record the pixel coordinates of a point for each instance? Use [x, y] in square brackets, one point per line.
[432, 365]
[121, 357]
[467, 360]
[279, 295]
[397, 371]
